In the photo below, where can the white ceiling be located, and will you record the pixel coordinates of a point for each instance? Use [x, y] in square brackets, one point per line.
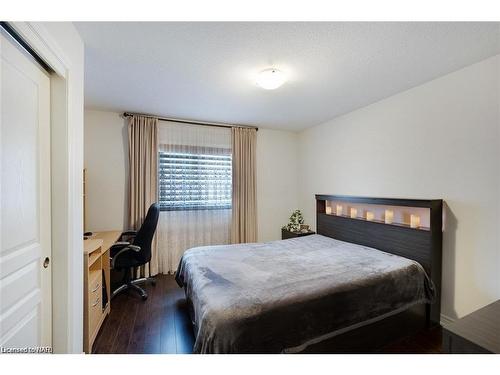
[205, 71]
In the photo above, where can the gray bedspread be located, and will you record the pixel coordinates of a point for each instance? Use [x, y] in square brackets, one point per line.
[281, 296]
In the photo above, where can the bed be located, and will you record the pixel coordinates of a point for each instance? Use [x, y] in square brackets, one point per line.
[292, 295]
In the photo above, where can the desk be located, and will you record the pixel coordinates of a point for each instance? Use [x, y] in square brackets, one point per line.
[96, 298]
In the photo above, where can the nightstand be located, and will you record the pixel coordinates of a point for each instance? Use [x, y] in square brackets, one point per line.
[287, 234]
[476, 333]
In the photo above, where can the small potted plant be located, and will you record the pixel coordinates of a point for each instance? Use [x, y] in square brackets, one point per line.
[296, 219]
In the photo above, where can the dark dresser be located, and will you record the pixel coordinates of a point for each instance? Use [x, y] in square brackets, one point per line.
[287, 234]
[476, 333]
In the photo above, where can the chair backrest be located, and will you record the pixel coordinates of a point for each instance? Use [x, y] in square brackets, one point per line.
[145, 234]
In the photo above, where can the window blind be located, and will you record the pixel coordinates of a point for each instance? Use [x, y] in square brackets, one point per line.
[194, 181]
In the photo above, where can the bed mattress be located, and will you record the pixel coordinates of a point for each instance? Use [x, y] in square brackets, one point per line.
[283, 295]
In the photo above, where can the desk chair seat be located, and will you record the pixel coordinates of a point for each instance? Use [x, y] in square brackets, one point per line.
[133, 251]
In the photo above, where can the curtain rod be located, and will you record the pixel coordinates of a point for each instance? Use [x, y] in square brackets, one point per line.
[192, 122]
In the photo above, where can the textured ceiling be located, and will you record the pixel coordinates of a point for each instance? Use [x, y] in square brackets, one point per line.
[206, 71]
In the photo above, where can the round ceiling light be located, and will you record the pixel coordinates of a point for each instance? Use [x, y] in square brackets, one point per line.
[271, 79]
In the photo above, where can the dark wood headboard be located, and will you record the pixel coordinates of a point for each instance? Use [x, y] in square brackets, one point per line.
[423, 246]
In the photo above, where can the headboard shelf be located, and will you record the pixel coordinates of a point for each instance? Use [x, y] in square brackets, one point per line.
[425, 203]
[423, 245]
[379, 222]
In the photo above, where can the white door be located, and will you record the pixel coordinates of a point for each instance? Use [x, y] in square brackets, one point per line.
[25, 227]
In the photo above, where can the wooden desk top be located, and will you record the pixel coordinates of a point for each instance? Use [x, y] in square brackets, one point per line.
[103, 239]
[90, 245]
[482, 327]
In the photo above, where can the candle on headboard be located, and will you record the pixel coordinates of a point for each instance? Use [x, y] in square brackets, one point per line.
[354, 213]
[389, 216]
[369, 216]
[339, 210]
[414, 221]
[328, 210]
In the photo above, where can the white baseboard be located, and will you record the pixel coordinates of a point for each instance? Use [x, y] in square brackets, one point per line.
[446, 319]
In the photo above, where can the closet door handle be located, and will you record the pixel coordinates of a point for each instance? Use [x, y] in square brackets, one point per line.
[96, 302]
[96, 287]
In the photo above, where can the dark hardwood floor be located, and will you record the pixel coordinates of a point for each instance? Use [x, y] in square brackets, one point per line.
[161, 324]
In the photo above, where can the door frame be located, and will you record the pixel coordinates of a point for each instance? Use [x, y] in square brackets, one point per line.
[66, 185]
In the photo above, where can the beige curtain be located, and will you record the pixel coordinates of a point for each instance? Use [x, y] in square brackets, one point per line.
[244, 203]
[143, 175]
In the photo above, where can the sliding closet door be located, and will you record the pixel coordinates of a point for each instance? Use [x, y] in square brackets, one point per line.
[25, 220]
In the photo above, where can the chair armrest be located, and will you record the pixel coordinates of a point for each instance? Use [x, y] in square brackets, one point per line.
[125, 247]
[119, 244]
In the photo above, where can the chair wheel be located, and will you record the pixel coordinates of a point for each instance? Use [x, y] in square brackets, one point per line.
[144, 297]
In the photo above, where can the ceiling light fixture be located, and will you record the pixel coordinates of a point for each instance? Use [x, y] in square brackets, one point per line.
[271, 79]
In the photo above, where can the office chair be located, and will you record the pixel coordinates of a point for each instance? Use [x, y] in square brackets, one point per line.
[135, 252]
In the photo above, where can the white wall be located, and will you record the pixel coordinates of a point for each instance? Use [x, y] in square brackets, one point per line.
[438, 140]
[277, 181]
[106, 160]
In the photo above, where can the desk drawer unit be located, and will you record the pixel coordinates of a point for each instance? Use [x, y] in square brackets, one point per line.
[95, 304]
[96, 283]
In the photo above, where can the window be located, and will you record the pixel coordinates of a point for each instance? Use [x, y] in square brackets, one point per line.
[195, 181]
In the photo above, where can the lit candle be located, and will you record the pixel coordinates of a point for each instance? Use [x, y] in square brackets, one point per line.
[414, 221]
[339, 210]
[369, 216]
[354, 213]
[389, 216]
[328, 210]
